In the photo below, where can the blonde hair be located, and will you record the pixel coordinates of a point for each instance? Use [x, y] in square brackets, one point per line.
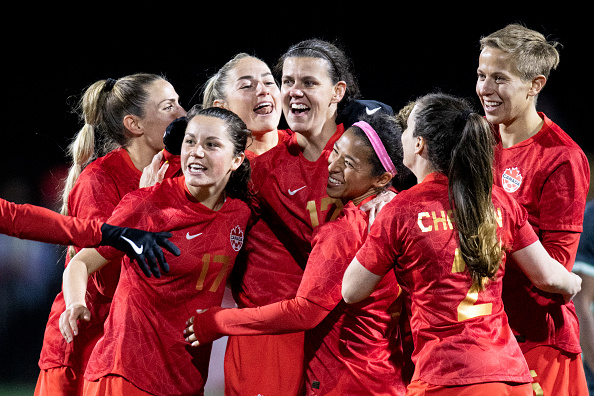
[532, 53]
[214, 88]
[102, 108]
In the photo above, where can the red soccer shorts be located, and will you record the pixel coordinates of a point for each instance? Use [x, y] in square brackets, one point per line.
[112, 385]
[59, 381]
[264, 364]
[421, 388]
[555, 372]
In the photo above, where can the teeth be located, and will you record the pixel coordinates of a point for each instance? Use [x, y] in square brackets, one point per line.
[263, 104]
[333, 180]
[264, 108]
[492, 103]
[298, 106]
[196, 167]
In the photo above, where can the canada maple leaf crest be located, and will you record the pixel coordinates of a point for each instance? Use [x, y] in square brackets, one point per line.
[511, 179]
[236, 238]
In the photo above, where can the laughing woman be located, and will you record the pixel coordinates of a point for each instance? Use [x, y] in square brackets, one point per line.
[142, 351]
[447, 239]
[348, 350]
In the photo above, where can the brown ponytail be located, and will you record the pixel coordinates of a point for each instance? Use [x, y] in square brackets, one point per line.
[460, 145]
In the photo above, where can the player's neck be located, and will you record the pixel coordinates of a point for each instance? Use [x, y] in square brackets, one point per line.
[213, 197]
[520, 129]
[263, 141]
[312, 143]
[140, 154]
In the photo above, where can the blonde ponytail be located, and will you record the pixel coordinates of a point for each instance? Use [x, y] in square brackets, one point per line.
[82, 151]
[82, 148]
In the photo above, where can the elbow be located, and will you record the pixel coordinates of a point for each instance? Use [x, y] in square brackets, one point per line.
[349, 296]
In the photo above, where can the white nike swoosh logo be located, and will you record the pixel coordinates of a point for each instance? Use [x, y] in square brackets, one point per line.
[293, 192]
[136, 248]
[188, 236]
[371, 112]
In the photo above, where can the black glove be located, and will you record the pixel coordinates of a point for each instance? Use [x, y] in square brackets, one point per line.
[142, 246]
[174, 135]
[358, 107]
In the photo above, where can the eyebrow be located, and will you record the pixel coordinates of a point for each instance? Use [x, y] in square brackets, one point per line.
[166, 100]
[250, 77]
[353, 159]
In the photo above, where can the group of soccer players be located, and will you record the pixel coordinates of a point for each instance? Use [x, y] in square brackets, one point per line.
[348, 277]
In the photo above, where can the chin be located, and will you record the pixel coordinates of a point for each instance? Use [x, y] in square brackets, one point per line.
[333, 192]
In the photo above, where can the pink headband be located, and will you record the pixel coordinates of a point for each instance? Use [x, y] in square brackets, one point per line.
[378, 146]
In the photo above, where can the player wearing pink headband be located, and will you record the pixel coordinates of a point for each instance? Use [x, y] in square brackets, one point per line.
[354, 350]
[378, 146]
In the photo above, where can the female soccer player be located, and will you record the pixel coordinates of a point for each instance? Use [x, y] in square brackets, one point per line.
[548, 174]
[289, 182]
[348, 350]
[447, 239]
[245, 85]
[131, 114]
[143, 351]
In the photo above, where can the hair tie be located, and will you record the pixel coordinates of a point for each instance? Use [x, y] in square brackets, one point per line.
[378, 146]
[465, 114]
[109, 83]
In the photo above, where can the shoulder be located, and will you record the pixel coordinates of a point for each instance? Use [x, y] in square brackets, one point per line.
[116, 165]
[553, 137]
[351, 221]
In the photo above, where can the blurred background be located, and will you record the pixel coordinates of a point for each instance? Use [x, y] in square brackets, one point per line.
[49, 60]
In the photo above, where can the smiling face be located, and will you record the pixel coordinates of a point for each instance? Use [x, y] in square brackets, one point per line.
[308, 94]
[505, 97]
[253, 95]
[161, 108]
[207, 156]
[349, 170]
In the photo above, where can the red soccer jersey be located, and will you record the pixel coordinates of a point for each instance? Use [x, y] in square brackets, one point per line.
[99, 188]
[143, 339]
[548, 174]
[356, 349]
[349, 349]
[44, 225]
[459, 337]
[291, 199]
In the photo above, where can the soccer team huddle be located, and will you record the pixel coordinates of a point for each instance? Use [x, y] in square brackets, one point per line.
[424, 249]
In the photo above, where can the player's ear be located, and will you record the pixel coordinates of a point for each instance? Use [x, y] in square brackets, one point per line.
[537, 85]
[237, 161]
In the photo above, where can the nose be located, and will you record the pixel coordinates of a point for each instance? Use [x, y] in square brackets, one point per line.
[197, 151]
[262, 89]
[294, 91]
[334, 163]
[180, 112]
[484, 87]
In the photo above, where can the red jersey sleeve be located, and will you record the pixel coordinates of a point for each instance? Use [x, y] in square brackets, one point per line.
[379, 251]
[525, 236]
[287, 316]
[41, 224]
[563, 199]
[333, 248]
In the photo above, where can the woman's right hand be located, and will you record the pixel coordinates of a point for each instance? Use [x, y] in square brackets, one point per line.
[69, 318]
[576, 286]
[154, 172]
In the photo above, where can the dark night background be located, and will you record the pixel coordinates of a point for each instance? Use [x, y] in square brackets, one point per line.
[48, 62]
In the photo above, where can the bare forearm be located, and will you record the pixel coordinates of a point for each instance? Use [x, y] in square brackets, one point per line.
[545, 272]
[77, 273]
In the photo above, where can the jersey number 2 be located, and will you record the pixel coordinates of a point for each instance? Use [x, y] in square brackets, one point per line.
[467, 309]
